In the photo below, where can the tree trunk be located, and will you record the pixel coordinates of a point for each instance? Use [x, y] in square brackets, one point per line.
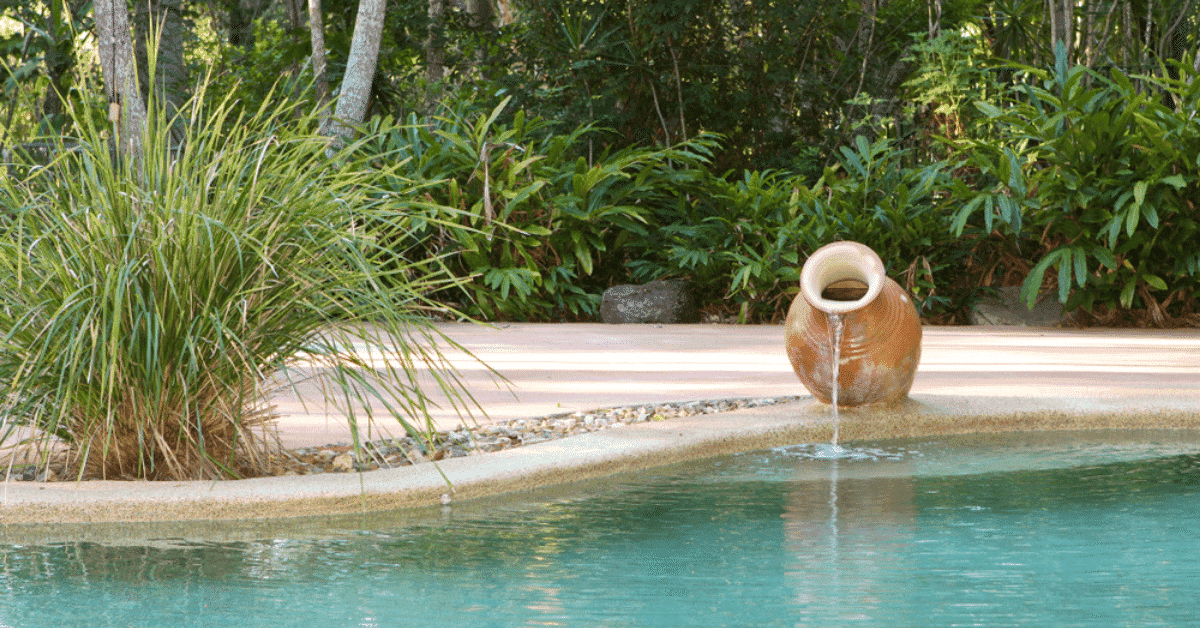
[1130, 43]
[483, 22]
[295, 24]
[316, 27]
[483, 14]
[355, 94]
[161, 22]
[866, 24]
[1062, 21]
[434, 67]
[506, 13]
[115, 48]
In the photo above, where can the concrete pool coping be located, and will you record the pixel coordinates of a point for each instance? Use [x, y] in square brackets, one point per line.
[977, 379]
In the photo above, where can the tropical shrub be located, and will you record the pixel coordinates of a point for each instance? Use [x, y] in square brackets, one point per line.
[148, 304]
[1099, 174]
[902, 212]
[738, 241]
[952, 72]
[520, 210]
[744, 241]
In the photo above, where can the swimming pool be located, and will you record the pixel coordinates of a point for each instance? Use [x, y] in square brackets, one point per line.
[1063, 529]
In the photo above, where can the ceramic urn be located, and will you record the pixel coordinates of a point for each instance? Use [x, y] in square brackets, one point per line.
[881, 334]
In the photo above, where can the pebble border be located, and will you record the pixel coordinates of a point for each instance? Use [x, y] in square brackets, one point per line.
[464, 441]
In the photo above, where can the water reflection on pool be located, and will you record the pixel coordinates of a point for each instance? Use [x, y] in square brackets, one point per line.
[1094, 529]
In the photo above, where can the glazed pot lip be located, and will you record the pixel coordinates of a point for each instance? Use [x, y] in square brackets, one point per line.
[839, 261]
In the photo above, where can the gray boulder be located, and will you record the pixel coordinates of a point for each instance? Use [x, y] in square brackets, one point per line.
[665, 301]
[1007, 308]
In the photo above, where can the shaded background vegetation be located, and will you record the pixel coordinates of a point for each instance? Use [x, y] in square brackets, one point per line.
[561, 146]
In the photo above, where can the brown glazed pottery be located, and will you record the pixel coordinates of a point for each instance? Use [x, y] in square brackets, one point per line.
[881, 339]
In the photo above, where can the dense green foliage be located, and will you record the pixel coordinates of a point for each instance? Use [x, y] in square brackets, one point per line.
[564, 146]
[518, 209]
[1066, 170]
[771, 77]
[542, 233]
[1100, 178]
[743, 241]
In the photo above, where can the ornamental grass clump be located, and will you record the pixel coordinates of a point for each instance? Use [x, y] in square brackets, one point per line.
[148, 303]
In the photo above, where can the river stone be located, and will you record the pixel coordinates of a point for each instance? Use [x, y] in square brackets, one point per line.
[344, 462]
[667, 301]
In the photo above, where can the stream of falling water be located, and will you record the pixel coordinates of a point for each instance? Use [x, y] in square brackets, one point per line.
[836, 327]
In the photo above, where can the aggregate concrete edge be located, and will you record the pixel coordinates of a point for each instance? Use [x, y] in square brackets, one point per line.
[40, 512]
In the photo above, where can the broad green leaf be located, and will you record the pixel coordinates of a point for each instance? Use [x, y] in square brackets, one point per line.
[1121, 200]
[1155, 281]
[1105, 256]
[1033, 282]
[964, 214]
[1127, 293]
[860, 142]
[579, 185]
[1064, 277]
[851, 160]
[491, 119]
[740, 278]
[1016, 179]
[988, 109]
[1011, 212]
[1131, 219]
[1114, 230]
[1139, 192]
[522, 165]
[583, 252]
[1176, 181]
[1151, 213]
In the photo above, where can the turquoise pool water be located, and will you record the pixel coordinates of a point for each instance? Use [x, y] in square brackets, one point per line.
[1049, 530]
